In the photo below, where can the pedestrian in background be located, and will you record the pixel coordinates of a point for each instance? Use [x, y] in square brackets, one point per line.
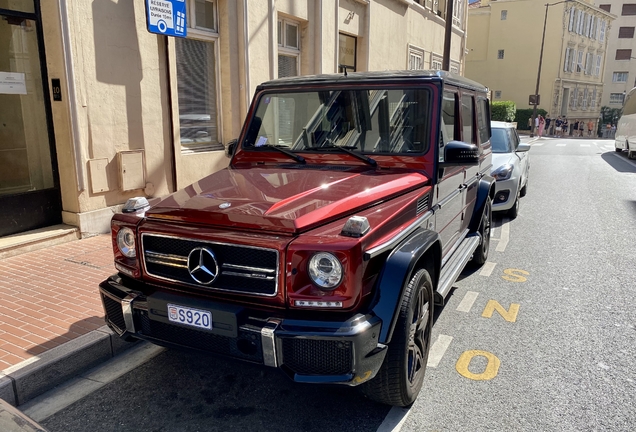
[565, 127]
[613, 131]
[575, 127]
[558, 123]
[548, 122]
[541, 125]
[590, 127]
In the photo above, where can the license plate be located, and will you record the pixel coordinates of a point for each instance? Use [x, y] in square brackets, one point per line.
[188, 316]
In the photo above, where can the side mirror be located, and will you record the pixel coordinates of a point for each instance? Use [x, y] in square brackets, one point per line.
[523, 147]
[458, 153]
[231, 146]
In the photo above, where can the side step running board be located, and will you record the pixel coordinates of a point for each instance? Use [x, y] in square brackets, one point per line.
[451, 271]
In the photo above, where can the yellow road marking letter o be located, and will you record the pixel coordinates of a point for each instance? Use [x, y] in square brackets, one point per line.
[512, 276]
[492, 368]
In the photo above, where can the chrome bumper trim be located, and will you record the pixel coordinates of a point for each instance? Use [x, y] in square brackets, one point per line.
[268, 342]
[126, 306]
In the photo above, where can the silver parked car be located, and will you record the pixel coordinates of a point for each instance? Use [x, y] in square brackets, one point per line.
[511, 166]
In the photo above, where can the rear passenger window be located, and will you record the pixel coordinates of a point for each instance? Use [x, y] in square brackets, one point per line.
[467, 118]
[448, 128]
[483, 120]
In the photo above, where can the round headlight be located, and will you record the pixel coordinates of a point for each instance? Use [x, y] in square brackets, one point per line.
[325, 270]
[126, 242]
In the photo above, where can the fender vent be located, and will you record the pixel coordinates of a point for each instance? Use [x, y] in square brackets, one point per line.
[422, 205]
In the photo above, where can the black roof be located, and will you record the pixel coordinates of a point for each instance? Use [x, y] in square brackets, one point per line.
[374, 77]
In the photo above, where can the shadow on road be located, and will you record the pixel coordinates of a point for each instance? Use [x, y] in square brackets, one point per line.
[618, 161]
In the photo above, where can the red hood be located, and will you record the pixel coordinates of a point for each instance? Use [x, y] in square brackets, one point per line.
[284, 200]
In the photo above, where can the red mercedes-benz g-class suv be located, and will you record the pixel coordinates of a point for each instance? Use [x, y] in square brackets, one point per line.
[350, 206]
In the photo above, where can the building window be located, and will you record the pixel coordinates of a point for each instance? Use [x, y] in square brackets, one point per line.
[586, 26]
[585, 96]
[626, 33]
[288, 48]
[619, 77]
[458, 12]
[572, 14]
[204, 14]
[593, 104]
[500, 54]
[601, 36]
[436, 62]
[616, 98]
[346, 52]
[579, 62]
[573, 61]
[629, 9]
[623, 54]
[197, 95]
[416, 58]
[597, 68]
[454, 67]
[606, 7]
[589, 60]
[575, 98]
[593, 28]
[504, 14]
[197, 83]
[497, 94]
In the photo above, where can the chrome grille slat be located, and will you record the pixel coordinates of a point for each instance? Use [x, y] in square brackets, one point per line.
[243, 269]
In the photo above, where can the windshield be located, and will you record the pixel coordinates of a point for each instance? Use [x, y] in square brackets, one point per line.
[500, 140]
[377, 121]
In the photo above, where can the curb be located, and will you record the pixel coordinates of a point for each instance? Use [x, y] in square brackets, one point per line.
[35, 376]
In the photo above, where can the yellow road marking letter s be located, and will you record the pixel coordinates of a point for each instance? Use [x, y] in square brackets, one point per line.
[512, 276]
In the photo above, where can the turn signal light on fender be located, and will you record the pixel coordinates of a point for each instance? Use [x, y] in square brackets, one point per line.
[321, 304]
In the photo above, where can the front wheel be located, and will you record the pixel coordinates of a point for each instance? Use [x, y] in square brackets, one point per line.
[400, 377]
[481, 253]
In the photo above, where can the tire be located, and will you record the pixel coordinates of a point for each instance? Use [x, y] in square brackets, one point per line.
[481, 253]
[400, 378]
[514, 211]
[524, 189]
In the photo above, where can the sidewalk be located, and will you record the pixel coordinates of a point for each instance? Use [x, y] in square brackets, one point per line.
[51, 318]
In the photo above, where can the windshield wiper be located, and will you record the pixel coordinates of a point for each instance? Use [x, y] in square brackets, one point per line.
[283, 149]
[346, 149]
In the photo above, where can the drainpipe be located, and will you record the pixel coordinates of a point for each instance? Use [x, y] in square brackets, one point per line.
[318, 39]
[70, 83]
[247, 56]
[272, 21]
[337, 41]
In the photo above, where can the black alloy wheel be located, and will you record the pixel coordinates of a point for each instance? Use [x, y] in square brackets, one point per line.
[400, 378]
[481, 253]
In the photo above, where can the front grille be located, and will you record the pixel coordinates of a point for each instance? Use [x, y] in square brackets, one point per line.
[317, 357]
[246, 346]
[243, 269]
[114, 312]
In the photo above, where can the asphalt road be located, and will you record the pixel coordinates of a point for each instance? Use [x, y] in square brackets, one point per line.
[542, 338]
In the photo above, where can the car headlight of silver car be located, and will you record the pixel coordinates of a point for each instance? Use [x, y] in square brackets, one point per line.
[325, 270]
[503, 172]
[126, 242]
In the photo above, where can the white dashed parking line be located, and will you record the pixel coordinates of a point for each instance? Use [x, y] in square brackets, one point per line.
[487, 269]
[438, 349]
[561, 145]
[467, 303]
[505, 235]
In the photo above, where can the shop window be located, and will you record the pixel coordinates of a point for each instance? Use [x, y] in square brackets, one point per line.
[197, 95]
[288, 48]
[347, 52]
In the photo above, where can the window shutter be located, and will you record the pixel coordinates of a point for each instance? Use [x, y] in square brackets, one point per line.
[629, 9]
[287, 66]
[626, 32]
[572, 11]
[623, 54]
[567, 59]
[606, 7]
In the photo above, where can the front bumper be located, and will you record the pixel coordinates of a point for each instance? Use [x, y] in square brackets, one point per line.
[508, 190]
[338, 352]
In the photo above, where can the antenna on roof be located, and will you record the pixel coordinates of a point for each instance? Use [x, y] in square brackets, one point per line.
[344, 68]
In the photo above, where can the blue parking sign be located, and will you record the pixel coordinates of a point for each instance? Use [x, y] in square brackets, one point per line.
[167, 17]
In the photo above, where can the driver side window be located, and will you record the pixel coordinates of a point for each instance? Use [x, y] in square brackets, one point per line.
[448, 129]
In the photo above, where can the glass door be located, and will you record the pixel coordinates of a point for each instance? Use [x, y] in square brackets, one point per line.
[29, 189]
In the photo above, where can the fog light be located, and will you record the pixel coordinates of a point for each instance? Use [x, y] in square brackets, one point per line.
[315, 303]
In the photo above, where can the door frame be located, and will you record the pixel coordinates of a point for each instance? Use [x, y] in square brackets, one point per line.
[49, 201]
